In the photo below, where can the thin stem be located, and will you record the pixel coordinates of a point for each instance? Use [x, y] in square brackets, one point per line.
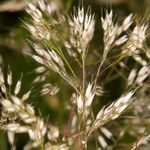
[59, 51]
[112, 64]
[42, 145]
[66, 80]
[64, 58]
[99, 69]
[83, 92]
[83, 75]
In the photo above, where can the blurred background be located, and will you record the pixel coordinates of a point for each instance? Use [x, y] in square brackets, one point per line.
[13, 44]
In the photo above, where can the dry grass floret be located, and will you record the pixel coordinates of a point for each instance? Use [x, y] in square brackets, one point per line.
[48, 44]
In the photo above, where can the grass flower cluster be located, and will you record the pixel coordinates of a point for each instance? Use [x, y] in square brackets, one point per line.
[58, 43]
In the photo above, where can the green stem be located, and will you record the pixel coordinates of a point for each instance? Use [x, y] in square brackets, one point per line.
[42, 145]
